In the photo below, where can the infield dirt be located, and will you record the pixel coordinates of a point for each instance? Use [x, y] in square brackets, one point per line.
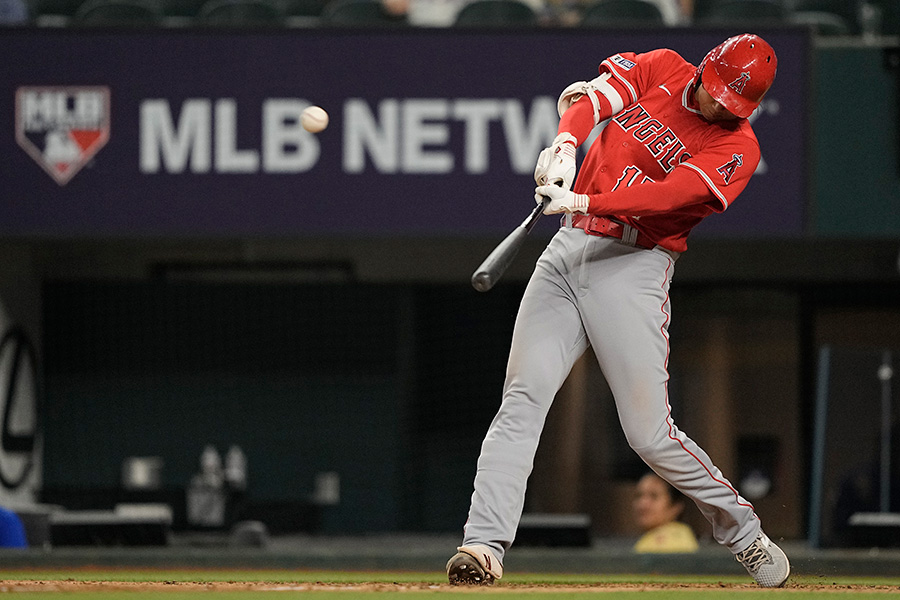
[256, 586]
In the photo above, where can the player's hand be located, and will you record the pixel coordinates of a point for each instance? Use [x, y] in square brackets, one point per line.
[561, 200]
[556, 163]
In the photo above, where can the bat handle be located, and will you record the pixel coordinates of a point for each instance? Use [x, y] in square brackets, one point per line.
[531, 219]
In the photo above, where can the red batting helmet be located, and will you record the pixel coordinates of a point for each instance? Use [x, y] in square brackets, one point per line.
[738, 72]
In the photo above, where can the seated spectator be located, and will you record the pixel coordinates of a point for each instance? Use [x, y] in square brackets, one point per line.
[657, 508]
[13, 12]
[675, 12]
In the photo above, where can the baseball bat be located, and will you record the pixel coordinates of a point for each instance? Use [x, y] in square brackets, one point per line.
[493, 267]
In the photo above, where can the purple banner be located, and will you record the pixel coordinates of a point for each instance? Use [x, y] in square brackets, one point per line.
[433, 132]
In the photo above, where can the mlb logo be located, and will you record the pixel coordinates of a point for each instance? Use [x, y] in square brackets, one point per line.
[623, 62]
[62, 128]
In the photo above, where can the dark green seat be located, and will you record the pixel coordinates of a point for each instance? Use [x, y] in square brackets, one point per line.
[823, 10]
[60, 11]
[304, 8]
[821, 23]
[622, 13]
[743, 12]
[358, 13]
[188, 9]
[240, 13]
[117, 13]
[496, 13]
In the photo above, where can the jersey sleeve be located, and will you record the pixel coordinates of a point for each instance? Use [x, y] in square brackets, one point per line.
[633, 74]
[726, 167]
[623, 78]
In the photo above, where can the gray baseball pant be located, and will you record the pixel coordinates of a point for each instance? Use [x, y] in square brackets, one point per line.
[591, 291]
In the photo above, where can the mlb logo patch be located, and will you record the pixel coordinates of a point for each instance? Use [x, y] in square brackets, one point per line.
[63, 127]
[623, 62]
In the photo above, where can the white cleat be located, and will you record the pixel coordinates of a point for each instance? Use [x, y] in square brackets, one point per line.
[765, 561]
[474, 565]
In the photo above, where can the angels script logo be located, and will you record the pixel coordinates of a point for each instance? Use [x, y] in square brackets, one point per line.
[62, 128]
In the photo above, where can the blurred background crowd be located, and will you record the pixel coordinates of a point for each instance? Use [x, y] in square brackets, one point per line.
[826, 17]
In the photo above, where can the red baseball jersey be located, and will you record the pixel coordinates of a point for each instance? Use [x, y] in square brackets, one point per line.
[659, 138]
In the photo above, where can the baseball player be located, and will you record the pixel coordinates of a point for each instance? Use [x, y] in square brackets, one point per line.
[677, 147]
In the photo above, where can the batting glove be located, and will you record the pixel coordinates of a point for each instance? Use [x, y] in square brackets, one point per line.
[556, 163]
[561, 200]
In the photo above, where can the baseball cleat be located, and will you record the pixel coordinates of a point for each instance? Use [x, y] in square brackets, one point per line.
[765, 562]
[474, 565]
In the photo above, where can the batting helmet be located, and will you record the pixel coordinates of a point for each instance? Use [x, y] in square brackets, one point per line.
[738, 72]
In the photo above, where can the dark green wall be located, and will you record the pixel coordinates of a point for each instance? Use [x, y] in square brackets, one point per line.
[391, 386]
[856, 164]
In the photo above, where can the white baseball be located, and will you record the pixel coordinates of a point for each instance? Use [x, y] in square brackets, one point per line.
[314, 119]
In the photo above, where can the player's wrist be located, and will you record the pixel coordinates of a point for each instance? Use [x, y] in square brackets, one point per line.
[596, 205]
[580, 203]
[564, 139]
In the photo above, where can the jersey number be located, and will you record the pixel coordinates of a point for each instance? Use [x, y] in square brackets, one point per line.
[630, 176]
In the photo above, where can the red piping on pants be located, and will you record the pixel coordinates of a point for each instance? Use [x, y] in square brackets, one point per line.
[669, 421]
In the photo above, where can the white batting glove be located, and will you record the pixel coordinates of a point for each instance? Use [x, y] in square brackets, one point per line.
[561, 200]
[556, 163]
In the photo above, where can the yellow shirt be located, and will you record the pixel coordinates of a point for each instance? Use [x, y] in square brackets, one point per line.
[669, 538]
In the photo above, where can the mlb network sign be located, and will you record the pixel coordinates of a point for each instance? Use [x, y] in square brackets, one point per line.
[62, 128]
[200, 147]
[397, 135]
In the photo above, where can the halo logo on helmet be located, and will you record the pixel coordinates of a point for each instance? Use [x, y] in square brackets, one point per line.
[738, 84]
[738, 72]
